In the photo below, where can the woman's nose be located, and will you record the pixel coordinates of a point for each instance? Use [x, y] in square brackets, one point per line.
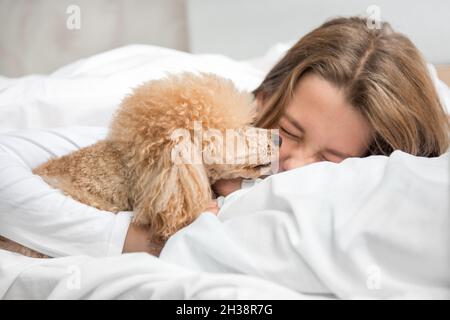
[297, 161]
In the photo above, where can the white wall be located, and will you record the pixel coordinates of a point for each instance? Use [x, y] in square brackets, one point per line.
[245, 28]
[34, 37]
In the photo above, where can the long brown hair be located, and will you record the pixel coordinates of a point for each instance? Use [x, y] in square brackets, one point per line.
[383, 76]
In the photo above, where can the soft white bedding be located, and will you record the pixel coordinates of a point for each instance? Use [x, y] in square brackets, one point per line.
[130, 276]
[365, 228]
[376, 227]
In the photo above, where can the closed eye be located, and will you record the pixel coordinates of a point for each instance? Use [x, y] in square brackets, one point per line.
[289, 134]
[323, 158]
[331, 158]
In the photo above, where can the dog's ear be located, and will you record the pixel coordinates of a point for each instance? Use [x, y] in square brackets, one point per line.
[170, 195]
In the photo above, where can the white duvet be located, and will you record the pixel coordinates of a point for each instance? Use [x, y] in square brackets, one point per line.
[366, 228]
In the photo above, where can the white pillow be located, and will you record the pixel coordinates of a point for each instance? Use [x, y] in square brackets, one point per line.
[88, 91]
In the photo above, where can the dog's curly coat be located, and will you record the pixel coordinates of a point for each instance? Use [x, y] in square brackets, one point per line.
[133, 169]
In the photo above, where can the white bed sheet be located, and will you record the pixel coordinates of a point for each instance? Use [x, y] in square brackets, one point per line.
[130, 276]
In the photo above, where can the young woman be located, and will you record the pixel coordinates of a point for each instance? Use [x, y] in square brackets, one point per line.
[345, 90]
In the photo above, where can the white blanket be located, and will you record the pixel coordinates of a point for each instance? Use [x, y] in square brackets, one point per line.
[371, 228]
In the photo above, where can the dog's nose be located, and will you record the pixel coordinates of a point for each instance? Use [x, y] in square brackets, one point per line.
[276, 139]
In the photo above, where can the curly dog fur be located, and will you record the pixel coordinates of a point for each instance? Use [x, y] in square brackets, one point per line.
[133, 169]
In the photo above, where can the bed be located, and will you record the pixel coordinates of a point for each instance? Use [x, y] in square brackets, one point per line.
[330, 231]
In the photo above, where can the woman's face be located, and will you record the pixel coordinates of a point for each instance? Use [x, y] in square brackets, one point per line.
[320, 125]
